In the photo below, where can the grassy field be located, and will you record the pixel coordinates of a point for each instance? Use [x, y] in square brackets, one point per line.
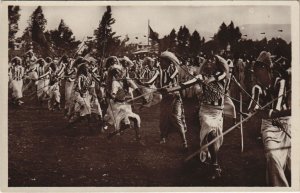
[43, 152]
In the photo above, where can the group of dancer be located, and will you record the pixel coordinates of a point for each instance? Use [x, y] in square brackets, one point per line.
[107, 89]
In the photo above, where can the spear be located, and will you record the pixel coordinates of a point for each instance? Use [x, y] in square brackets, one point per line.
[230, 129]
[145, 94]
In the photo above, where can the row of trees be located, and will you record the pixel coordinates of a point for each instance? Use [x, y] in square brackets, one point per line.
[45, 43]
[182, 42]
[105, 42]
[228, 38]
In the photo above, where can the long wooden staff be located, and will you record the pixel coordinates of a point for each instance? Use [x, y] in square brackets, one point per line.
[145, 94]
[241, 110]
[229, 130]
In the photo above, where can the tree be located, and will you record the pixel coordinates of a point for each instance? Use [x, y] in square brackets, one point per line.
[172, 40]
[125, 48]
[262, 45]
[195, 44]
[106, 41]
[34, 33]
[183, 38]
[279, 47]
[245, 47]
[202, 41]
[228, 35]
[63, 39]
[168, 42]
[211, 47]
[164, 43]
[222, 35]
[13, 18]
[233, 33]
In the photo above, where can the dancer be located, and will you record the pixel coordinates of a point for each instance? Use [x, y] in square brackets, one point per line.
[42, 82]
[119, 112]
[171, 106]
[275, 126]
[213, 76]
[16, 80]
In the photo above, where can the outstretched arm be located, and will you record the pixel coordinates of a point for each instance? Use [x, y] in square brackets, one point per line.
[216, 77]
[187, 84]
[256, 92]
[61, 70]
[152, 79]
[283, 113]
[44, 75]
[174, 73]
[68, 73]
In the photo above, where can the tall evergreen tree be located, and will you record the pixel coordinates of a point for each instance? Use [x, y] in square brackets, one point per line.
[195, 43]
[172, 40]
[183, 38]
[106, 41]
[164, 43]
[222, 35]
[13, 18]
[34, 33]
[168, 42]
[63, 39]
[228, 34]
[202, 41]
[234, 33]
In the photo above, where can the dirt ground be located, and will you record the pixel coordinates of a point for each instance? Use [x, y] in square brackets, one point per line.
[43, 152]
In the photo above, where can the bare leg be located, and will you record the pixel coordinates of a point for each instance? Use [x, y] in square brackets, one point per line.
[101, 123]
[178, 121]
[213, 150]
[137, 130]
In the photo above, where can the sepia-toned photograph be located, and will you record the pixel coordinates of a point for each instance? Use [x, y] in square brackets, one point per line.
[149, 95]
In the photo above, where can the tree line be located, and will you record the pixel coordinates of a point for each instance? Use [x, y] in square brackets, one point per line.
[106, 42]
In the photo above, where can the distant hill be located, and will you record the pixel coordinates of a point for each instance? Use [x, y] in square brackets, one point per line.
[253, 31]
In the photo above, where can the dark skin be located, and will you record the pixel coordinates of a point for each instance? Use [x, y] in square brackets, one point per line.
[209, 69]
[164, 63]
[264, 77]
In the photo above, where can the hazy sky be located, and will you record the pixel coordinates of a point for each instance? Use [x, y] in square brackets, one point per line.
[132, 20]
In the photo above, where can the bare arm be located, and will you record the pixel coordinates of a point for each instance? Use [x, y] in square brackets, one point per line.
[44, 75]
[216, 77]
[187, 84]
[174, 73]
[153, 78]
[61, 70]
[281, 89]
[256, 92]
[276, 114]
